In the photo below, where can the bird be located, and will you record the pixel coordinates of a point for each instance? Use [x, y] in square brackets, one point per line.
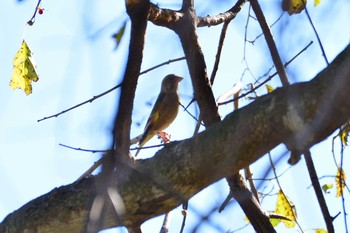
[164, 110]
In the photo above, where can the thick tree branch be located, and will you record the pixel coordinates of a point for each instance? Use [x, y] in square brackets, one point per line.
[180, 170]
[163, 17]
[186, 28]
[168, 18]
[138, 11]
[241, 193]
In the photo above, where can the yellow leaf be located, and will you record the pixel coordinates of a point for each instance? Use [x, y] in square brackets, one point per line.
[23, 70]
[293, 6]
[340, 182]
[316, 2]
[326, 187]
[119, 35]
[320, 230]
[274, 221]
[284, 208]
[344, 133]
[269, 88]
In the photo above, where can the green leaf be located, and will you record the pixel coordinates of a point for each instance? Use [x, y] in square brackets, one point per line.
[326, 187]
[119, 35]
[269, 88]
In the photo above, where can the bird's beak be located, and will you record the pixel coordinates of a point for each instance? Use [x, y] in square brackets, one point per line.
[179, 79]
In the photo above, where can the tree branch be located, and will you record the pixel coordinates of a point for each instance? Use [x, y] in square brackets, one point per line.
[168, 18]
[270, 42]
[137, 11]
[186, 30]
[182, 169]
[239, 190]
[318, 191]
[222, 17]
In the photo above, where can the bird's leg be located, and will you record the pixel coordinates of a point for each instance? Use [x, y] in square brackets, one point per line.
[164, 136]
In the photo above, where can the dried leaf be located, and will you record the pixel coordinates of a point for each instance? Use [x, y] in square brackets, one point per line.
[293, 6]
[340, 182]
[23, 70]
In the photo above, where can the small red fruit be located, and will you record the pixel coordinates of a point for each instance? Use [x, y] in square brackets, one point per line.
[40, 10]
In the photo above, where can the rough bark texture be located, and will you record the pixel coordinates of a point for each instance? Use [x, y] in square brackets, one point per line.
[300, 115]
[240, 192]
[186, 29]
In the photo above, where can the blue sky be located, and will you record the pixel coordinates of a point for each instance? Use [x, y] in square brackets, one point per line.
[71, 43]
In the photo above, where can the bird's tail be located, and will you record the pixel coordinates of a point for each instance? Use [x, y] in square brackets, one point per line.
[145, 138]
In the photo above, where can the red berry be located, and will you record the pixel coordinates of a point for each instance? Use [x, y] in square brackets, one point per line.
[40, 11]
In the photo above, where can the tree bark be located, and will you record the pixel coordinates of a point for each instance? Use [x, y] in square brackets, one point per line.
[300, 116]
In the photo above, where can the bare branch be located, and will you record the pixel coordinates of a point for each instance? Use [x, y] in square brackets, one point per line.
[317, 36]
[222, 17]
[318, 191]
[270, 42]
[110, 90]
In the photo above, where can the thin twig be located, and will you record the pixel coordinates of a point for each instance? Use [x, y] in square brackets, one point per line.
[91, 169]
[245, 45]
[184, 213]
[108, 91]
[85, 150]
[166, 222]
[274, 171]
[268, 79]
[318, 191]
[342, 179]
[162, 64]
[185, 109]
[317, 36]
[218, 53]
[273, 178]
[32, 20]
[85, 102]
[273, 24]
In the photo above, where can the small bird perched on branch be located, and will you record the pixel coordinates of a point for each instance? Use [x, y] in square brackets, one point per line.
[164, 110]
